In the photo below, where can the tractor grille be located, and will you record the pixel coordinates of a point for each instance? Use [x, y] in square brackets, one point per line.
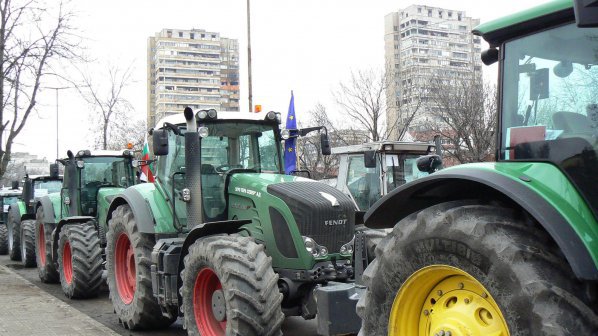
[330, 226]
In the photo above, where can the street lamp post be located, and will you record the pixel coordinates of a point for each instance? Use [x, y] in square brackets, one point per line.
[56, 89]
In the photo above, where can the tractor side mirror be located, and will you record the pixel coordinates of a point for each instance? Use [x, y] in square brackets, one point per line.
[369, 159]
[54, 170]
[538, 84]
[325, 144]
[429, 163]
[160, 140]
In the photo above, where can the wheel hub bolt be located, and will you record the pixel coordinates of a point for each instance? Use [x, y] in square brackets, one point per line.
[439, 294]
[461, 285]
[484, 295]
[426, 312]
[466, 300]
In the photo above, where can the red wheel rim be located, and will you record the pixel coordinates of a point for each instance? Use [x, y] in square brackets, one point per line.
[67, 262]
[41, 242]
[206, 284]
[124, 260]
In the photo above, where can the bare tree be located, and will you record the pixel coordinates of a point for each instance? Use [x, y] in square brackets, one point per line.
[132, 131]
[365, 99]
[464, 114]
[114, 109]
[32, 37]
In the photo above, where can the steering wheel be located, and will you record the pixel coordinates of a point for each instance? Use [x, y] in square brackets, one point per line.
[221, 168]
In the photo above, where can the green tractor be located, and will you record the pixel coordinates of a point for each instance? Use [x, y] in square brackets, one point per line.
[70, 225]
[8, 196]
[21, 215]
[225, 239]
[510, 247]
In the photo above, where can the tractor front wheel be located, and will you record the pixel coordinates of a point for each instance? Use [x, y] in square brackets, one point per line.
[229, 288]
[462, 268]
[3, 238]
[128, 262]
[14, 238]
[27, 234]
[43, 249]
[80, 261]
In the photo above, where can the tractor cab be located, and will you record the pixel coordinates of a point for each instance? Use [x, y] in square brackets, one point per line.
[87, 172]
[371, 170]
[231, 143]
[36, 186]
[8, 197]
[549, 100]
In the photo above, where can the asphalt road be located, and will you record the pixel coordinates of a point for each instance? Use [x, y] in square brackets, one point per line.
[101, 309]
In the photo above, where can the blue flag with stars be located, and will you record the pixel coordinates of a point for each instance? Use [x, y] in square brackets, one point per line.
[290, 144]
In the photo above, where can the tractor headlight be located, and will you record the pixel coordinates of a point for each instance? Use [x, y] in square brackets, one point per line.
[202, 114]
[212, 113]
[285, 134]
[186, 195]
[347, 249]
[313, 248]
[271, 115]
[80, 163]
[203, 132]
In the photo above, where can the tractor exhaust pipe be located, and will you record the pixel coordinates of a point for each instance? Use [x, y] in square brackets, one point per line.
[192, 194]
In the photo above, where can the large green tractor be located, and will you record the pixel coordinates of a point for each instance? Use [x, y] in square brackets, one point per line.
[71, 224]
[511, 247]
[21, 215]
[226, 240]
[8, 196]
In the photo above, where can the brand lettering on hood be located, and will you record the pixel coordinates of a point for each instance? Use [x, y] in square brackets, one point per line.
[332, 222]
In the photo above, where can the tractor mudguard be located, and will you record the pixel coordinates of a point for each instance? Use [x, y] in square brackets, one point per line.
[139, 206]
[60, 225]
[49, 216]
[474, 183]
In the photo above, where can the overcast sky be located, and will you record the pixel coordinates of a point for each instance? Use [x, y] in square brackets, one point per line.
[307, 46]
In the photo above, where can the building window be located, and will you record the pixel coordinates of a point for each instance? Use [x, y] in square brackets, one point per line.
[459, 16]
[419, 10]
[440, 14]
[450, 14]
[180, 34]
[429, 12]
[191, 36]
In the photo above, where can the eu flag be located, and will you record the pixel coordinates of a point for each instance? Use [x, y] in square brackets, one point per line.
[290, 144]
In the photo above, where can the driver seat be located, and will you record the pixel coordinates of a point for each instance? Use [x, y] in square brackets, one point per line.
[571, 122]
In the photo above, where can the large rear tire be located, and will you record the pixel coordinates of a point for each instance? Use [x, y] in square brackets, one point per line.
[27, 235]
[463, 266]
[229, 288]
[3, 239]
[80, 261]
[14, 229]
[43, 248]
[128, 261]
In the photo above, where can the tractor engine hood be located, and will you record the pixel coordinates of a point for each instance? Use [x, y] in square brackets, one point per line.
[320, 211]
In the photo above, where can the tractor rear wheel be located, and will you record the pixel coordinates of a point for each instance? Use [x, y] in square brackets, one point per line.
[464, 268]
[14, 238]
[229, 288]
[27, 234]
[43, 248]
[3, 239]
[128, 262]
[80, 261]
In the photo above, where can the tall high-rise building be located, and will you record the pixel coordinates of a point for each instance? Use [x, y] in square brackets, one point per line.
[422, 44]
[194, 68]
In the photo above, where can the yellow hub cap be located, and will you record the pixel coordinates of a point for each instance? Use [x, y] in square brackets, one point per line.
[442, 300]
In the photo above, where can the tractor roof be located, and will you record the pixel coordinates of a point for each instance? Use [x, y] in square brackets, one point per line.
[536, 18]
[99, 152]
[10, 192]
[42, 177]
[388, 146]
[179, 118]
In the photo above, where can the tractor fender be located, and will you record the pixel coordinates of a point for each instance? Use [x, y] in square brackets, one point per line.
[208, 229]
[472, 183]
[60, 225]
[139, 206]
[49, 216]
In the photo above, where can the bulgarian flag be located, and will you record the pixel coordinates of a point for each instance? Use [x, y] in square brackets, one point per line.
[146, 172]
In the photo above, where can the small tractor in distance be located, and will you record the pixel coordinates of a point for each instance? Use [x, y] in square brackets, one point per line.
[70, 225]
[8, 196]
[21, 215]
[508, 247]
[225, 239]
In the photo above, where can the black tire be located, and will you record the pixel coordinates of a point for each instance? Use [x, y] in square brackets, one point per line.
[85, 267]
[45, 266]
[3, 239]
[27, 239]
[14, 229]
[515, 260]
[143, 312]
[252, 301]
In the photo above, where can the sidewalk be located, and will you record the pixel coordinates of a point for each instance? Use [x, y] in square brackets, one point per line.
[27, 310]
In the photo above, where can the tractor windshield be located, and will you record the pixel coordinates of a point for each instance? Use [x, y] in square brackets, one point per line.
[107, 171]
[550, 103]
[44, 187]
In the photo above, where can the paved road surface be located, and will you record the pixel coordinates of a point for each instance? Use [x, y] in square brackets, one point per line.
[100, 309]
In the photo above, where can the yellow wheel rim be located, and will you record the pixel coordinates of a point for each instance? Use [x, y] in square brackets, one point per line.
[441, 300]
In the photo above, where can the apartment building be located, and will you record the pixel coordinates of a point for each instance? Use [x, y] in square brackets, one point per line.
[194, 68]
[423, 43]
